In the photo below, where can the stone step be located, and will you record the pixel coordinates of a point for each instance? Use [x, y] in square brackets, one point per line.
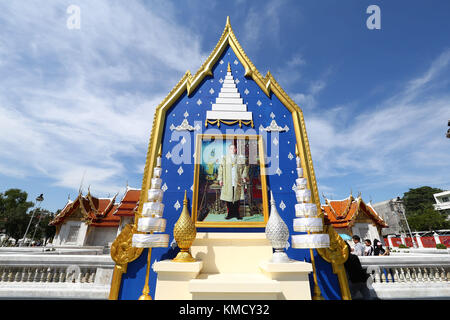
[228, 115]
[229, 107]
[229, 95]
[234, 283]
[229, 90]
[229, 100]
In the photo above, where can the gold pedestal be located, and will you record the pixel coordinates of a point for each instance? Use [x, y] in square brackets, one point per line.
[145, 297]
[184, 256]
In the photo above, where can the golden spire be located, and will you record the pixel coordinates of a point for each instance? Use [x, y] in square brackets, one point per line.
[184, 233]
[227, 24]
[228, 68]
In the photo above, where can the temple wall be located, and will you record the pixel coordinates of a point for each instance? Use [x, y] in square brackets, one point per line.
[366, 231]
[72, 232]
[101, 236]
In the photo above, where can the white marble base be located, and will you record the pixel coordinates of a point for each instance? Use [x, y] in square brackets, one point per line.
[173, 279]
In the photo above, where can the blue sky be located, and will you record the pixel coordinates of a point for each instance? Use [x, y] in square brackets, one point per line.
[78, 104]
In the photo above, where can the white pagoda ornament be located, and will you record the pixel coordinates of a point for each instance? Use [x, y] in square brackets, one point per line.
[278, 233]
[229, 107]
[152, 224]
[307, 218]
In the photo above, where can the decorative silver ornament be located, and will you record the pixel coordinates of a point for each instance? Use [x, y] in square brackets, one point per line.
[274, 126]
[278, 233]
[184, 126]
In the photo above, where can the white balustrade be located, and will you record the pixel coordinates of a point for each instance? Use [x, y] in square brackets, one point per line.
[409, 276]
[55, 276]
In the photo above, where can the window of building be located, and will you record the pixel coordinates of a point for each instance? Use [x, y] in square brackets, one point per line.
[73, 234]
[445, 199]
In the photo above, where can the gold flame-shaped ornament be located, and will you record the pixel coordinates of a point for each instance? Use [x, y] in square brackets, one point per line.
[184, 233]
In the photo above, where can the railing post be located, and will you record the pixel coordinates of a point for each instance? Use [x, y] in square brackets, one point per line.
[402, 238]
[391, 244]
[18, 275]
[419, 240]
[436, 238]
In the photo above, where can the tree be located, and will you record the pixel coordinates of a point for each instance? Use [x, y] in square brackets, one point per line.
[13, 213]
[420, 212]
[418, 199]
[428, 219]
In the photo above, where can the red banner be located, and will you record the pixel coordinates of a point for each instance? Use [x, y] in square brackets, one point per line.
[445, 240]
[428, 242]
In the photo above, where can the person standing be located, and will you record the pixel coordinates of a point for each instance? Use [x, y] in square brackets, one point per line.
[359, 247]
[357, 276]
[368, 250]
[232, 174]
[378, 248]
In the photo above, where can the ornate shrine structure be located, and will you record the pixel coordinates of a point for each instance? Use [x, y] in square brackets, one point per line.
[352, 216]
[227, 126]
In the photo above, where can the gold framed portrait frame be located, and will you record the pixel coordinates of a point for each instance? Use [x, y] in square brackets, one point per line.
[209, 210]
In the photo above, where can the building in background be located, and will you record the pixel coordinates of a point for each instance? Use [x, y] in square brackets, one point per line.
[390, 213]
[92, 221]
[127, 207]
[442, 202]
[354, 217]
[86, 221]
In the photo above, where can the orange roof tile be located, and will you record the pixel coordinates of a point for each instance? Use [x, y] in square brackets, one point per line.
[108, 219]
[129, 203]
[342, 213]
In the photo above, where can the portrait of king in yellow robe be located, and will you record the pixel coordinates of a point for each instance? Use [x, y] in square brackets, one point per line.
[232, 174]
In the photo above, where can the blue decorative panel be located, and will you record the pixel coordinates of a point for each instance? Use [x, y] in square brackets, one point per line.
[178, 167]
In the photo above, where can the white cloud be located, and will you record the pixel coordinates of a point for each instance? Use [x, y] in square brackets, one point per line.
[262, 23]
[399, 142]
[73, 102]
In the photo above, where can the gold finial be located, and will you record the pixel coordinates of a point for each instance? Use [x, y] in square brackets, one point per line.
[228, 22]
[228, 68]
[184, 233]
[185, 202]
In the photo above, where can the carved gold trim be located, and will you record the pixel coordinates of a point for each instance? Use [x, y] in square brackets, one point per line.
[337, 254]
[91, 203]
[122, 252]
[119, 270]
[231, 122]
[86, 218]
[268, 84]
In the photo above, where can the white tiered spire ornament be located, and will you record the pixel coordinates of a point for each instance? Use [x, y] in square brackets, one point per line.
[229, 107]
[151, 221]
[308, 219]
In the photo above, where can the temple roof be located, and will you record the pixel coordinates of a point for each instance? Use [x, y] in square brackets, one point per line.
[344, 213]
[129, 203]
[97, 212]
